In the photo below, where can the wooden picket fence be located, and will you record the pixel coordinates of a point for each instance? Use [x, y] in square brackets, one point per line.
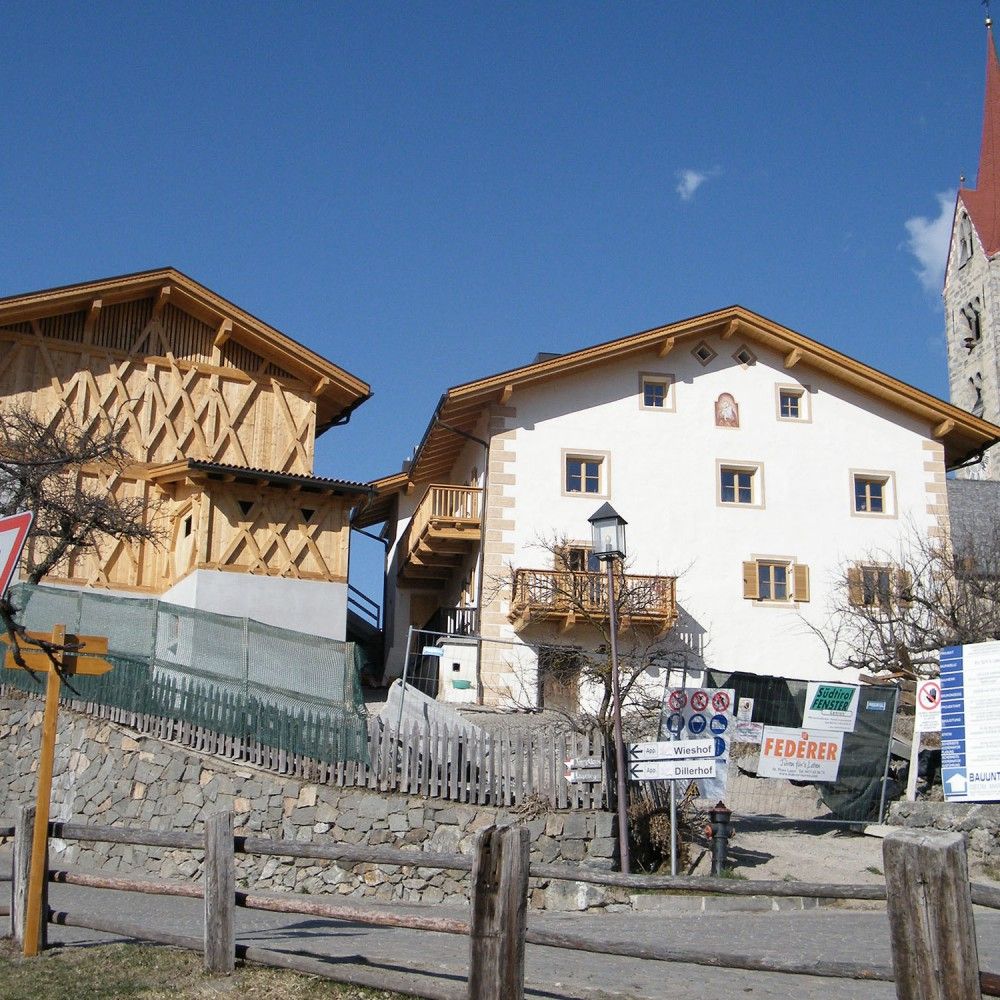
[433, 761]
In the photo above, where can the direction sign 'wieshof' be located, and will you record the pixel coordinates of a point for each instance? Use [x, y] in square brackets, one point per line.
[671, 750]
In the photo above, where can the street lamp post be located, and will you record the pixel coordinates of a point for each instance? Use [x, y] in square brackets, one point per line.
[608, 529]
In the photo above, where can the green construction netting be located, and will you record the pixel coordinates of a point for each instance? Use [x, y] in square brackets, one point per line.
[297, 692]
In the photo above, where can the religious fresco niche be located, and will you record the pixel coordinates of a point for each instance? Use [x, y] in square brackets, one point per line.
[727, 411]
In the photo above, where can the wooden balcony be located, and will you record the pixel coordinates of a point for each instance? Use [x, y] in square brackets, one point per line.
[444, 529]
[574, 598]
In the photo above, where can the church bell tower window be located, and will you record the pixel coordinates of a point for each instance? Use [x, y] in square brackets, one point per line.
[964, 240]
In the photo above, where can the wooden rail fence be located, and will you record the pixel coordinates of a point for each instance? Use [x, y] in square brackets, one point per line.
[929, 910]
[431, 761]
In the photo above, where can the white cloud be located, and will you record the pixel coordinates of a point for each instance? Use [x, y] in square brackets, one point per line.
[688, 181]
[928, 240]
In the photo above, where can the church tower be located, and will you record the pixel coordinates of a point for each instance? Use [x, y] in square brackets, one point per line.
[972, 279]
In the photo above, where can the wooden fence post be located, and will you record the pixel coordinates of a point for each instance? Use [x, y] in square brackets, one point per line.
[21, 867]
[220, 894]
[931, 925]
[499, 914]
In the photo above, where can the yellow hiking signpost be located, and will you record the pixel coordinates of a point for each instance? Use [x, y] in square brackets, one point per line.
[83, 658]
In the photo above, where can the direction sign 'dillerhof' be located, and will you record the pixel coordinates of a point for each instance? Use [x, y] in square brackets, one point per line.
[583, 770]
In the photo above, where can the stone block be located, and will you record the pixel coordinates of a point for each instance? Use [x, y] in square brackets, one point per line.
[373, 807]
[604, 824]
[574, 896]
[573, 850]
[602, 847]
[325, 813]
[577, 826]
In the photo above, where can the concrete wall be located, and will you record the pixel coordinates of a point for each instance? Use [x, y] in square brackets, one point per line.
[107, 775]
[311, 606]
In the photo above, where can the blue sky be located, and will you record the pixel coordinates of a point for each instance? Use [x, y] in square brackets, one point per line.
[429, 192]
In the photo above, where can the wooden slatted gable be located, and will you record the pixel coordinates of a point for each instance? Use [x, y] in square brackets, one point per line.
[185, 375]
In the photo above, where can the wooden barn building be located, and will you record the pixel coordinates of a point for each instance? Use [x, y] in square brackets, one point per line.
[220, 413]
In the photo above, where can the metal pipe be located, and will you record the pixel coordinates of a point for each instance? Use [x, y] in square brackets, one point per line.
[626, 863]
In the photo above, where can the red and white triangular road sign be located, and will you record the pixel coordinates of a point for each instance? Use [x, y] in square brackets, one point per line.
[13, 532]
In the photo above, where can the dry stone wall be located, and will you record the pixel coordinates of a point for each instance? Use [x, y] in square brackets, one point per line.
[108, 775]
[979, 822]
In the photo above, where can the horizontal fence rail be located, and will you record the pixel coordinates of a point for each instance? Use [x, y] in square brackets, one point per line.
[286, 903]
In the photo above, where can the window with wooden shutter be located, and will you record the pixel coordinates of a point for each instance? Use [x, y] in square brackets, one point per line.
[904, 585]
[855, 591]
[775, 580]
[800, 586]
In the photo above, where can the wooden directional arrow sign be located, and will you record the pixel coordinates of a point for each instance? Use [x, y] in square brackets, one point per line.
[671, 770]
[591, 775]
[583, 769]
[671, 750]
[583, 762]
[86, 661]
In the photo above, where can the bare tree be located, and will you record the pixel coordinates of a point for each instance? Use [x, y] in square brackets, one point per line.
[40, 470]
[896, 609]
[576, 594]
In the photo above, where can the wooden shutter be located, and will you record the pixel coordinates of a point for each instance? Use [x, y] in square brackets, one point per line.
[904, 581]
[855, 588]
[800, 586]
[750, 589]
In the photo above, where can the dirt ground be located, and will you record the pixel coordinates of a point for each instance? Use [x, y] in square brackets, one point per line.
[814, 855]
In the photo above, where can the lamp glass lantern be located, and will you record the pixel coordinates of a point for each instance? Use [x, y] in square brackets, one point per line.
[608, 533]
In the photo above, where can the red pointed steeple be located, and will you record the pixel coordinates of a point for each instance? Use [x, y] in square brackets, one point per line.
[983, 203]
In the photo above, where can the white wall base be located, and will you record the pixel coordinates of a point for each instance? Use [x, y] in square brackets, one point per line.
[311, 606]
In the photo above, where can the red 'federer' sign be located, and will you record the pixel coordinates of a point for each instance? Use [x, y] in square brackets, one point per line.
[13, 532]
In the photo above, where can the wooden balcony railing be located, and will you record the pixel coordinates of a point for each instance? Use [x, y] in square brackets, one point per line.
[574, 597]
[445, 527]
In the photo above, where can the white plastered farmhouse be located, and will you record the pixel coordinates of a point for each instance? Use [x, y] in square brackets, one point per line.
[751, 463]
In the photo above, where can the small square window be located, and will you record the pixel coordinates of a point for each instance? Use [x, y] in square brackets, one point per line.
[584, 475]
[655, 392]
[737, 486]
[772, 581]
[792, 403]
[704, 353]
[869, 495]
[740, 485]
[745, 356]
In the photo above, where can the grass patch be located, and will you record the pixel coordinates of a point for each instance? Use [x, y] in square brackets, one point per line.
[874, 869]
[150, 972]
[733, 874]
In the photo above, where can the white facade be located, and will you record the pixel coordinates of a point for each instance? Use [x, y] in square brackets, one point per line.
[661, 468]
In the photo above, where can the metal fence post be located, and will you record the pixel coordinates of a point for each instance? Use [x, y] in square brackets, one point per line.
[220, 894]
[931, 925]
[499, 914]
